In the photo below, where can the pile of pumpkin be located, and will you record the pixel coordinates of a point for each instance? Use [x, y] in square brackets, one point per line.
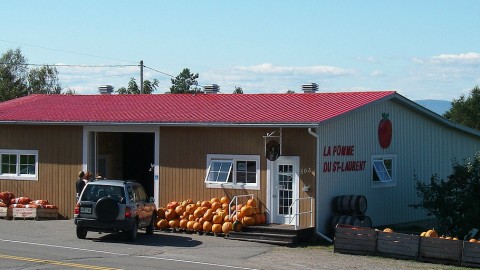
[8, 199]
[429, 233]
[208, 216]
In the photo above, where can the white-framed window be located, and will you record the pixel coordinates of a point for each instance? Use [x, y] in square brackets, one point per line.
[18, 164]
[383, 171]
[233, 171]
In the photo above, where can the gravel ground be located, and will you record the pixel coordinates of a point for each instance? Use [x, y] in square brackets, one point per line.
[320, 257]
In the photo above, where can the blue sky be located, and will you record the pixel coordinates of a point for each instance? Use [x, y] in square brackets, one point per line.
[422, 49]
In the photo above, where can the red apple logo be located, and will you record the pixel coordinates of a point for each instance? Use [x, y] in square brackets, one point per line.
[385, 131]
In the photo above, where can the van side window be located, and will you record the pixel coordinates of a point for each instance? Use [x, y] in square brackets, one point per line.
[130, 194]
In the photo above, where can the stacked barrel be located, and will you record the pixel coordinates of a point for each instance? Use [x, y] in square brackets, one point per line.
[350, 210]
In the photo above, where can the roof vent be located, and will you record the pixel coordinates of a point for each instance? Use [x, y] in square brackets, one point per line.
[105, 89]
[310, 88]
[211, 89]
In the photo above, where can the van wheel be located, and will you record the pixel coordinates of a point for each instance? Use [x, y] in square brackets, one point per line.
[81, 233]
[132, 234]
[151, 226]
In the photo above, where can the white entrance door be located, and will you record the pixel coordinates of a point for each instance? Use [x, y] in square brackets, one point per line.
[284, 189]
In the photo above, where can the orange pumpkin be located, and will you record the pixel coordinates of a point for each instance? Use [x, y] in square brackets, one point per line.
[183, 223]
[263, 218]
[190, 224]
[191, 217]
[179, 210]
[172, 205]
[207, 226]
[248, 221]
[217, 219]
[190, 208]
[258, 218]
[161, 212]
[252, 203]
[224, 200]
[227, 227]
[225, 206]
[208, 215]
[162, 224]
[197, 226]
[174, 223]
[170, 214]
[216, 205]
[247, 211]
[227, 218]
[212, 200]
[207, 204]
[431, 233]
[217, 228]
[198, 213]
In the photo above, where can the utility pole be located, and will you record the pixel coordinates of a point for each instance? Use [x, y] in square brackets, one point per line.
[141, 76]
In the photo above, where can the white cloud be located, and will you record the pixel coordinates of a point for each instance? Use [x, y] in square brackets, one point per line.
[268, 78]
[470, 58]
[267, 68]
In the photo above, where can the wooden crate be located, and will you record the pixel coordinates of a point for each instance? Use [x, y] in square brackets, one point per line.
[471, 254]
[34, 213]
[438, 250]
[398, 245]
[5, 212]
[355, 240]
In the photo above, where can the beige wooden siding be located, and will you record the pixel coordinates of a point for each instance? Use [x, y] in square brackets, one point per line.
[183, 158]
[59, 157]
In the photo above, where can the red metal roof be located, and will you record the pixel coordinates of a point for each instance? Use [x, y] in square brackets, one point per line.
[187, 108]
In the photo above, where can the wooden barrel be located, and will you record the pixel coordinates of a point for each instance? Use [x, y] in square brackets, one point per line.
[350, 204]
[346, 220]
[365, 221]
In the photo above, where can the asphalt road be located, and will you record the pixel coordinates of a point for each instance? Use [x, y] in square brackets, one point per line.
[52, 244]
[28, 244]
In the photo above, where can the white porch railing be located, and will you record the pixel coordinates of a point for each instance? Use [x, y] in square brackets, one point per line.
[295, 216]
[234, 201]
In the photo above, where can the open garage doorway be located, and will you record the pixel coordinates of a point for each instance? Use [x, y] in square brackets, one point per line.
[124, 155]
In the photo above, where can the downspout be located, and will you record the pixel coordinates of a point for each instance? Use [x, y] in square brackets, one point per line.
[317, 182]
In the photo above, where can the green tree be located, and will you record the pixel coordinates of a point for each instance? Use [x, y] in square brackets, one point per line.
[238, 90]
[185, 82]
[466, 110]
[16, 80]
[133, 88]
[43, 80]
[454, 201]
[13, 75]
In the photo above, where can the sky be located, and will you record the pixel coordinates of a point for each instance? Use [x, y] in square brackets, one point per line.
[421, 49]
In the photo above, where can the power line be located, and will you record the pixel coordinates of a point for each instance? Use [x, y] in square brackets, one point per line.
[67, 65]
[160, 71]
[64, 51]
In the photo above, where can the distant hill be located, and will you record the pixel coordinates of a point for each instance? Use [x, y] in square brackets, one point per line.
[437, 106]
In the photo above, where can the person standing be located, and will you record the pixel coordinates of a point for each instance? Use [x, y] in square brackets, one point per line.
[80, 184]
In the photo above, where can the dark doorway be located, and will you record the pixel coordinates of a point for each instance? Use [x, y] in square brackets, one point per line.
[138, 158]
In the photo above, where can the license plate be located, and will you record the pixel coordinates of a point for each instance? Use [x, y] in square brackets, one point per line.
[86, 210]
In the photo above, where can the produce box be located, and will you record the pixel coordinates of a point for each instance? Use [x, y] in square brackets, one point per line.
[471, 254]
[438, 250]
[355, 240]
[5, 212]
[34, 213]
[398, 245]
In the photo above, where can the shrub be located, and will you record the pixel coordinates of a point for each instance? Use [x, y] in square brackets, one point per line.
[455, 202]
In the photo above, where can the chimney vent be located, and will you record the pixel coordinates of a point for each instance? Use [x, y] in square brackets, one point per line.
[211, 89]
[105, 89]
[310, 88]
